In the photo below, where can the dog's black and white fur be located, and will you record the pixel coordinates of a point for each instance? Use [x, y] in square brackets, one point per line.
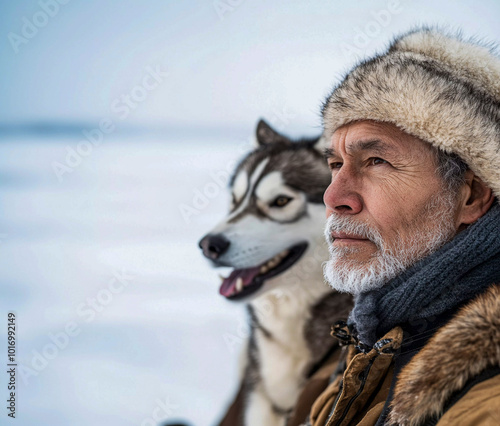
[273, 238]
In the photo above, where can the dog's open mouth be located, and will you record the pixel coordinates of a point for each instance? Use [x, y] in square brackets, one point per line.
[242, 282]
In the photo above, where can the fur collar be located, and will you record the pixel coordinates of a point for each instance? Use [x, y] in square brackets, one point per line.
[460, 350]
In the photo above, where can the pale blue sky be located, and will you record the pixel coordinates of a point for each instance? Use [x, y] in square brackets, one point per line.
[268, 59]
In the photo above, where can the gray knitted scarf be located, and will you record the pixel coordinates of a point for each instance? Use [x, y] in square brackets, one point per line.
[457, 272]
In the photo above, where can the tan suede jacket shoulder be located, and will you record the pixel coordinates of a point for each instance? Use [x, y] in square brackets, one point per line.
[465, 347]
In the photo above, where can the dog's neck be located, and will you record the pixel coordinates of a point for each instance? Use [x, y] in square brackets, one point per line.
[281, 318]
[284, 310]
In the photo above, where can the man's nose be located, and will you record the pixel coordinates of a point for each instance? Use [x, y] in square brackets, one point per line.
[342, 196]
[214, 245]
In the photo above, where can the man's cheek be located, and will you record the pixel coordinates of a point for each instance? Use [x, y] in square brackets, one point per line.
[387, 223]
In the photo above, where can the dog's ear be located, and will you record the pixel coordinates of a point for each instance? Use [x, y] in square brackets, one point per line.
[267, 135]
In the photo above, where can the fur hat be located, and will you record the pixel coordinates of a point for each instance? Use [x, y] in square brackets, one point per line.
[441, 88]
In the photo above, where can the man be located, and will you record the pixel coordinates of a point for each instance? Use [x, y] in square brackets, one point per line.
[414, 233]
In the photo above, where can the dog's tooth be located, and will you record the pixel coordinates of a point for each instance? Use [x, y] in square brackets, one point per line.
[239, 284]
[263, 269]
[221, 277]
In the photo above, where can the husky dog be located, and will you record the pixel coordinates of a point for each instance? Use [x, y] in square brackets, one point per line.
[273, 240]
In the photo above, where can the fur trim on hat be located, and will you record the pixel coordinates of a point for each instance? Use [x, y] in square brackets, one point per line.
[440, 88]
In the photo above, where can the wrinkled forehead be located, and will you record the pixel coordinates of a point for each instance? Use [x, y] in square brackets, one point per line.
[376, 136]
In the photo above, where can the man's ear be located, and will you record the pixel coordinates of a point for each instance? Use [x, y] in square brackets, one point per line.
[477, 199]
[267, 135]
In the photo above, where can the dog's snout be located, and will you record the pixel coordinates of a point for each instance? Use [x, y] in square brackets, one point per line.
[214, 246]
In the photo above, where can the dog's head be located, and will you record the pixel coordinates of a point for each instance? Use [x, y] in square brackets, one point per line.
[276, 216]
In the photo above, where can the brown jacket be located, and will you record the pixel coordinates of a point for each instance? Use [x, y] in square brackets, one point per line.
[453, 380]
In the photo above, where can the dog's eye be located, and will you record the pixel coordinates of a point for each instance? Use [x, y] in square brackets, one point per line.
[281, 201]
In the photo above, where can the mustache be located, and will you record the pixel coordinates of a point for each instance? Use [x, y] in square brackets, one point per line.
[336, 223]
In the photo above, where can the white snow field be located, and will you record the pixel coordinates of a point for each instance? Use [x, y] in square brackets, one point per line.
[119, 320]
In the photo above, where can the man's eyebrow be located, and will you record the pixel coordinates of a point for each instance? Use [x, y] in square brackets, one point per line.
[328, 153]
[375, 145]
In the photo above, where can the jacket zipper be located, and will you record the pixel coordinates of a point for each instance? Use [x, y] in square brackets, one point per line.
[365, 376]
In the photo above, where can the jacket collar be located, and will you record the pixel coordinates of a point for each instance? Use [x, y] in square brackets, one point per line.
[459, 351]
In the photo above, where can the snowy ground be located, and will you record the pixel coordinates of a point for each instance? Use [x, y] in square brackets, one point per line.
[119, 317]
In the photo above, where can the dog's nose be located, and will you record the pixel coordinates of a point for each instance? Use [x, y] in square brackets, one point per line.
[214, 246]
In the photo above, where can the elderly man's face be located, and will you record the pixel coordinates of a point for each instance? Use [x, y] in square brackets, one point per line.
[386, 205]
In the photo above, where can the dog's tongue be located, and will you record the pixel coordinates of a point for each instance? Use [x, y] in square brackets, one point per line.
[228, 287]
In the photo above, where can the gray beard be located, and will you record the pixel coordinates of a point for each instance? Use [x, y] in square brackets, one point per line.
[433, 228]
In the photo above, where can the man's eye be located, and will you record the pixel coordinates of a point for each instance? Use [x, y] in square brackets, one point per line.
[281, 201]
[335, 165]
[376, 161]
